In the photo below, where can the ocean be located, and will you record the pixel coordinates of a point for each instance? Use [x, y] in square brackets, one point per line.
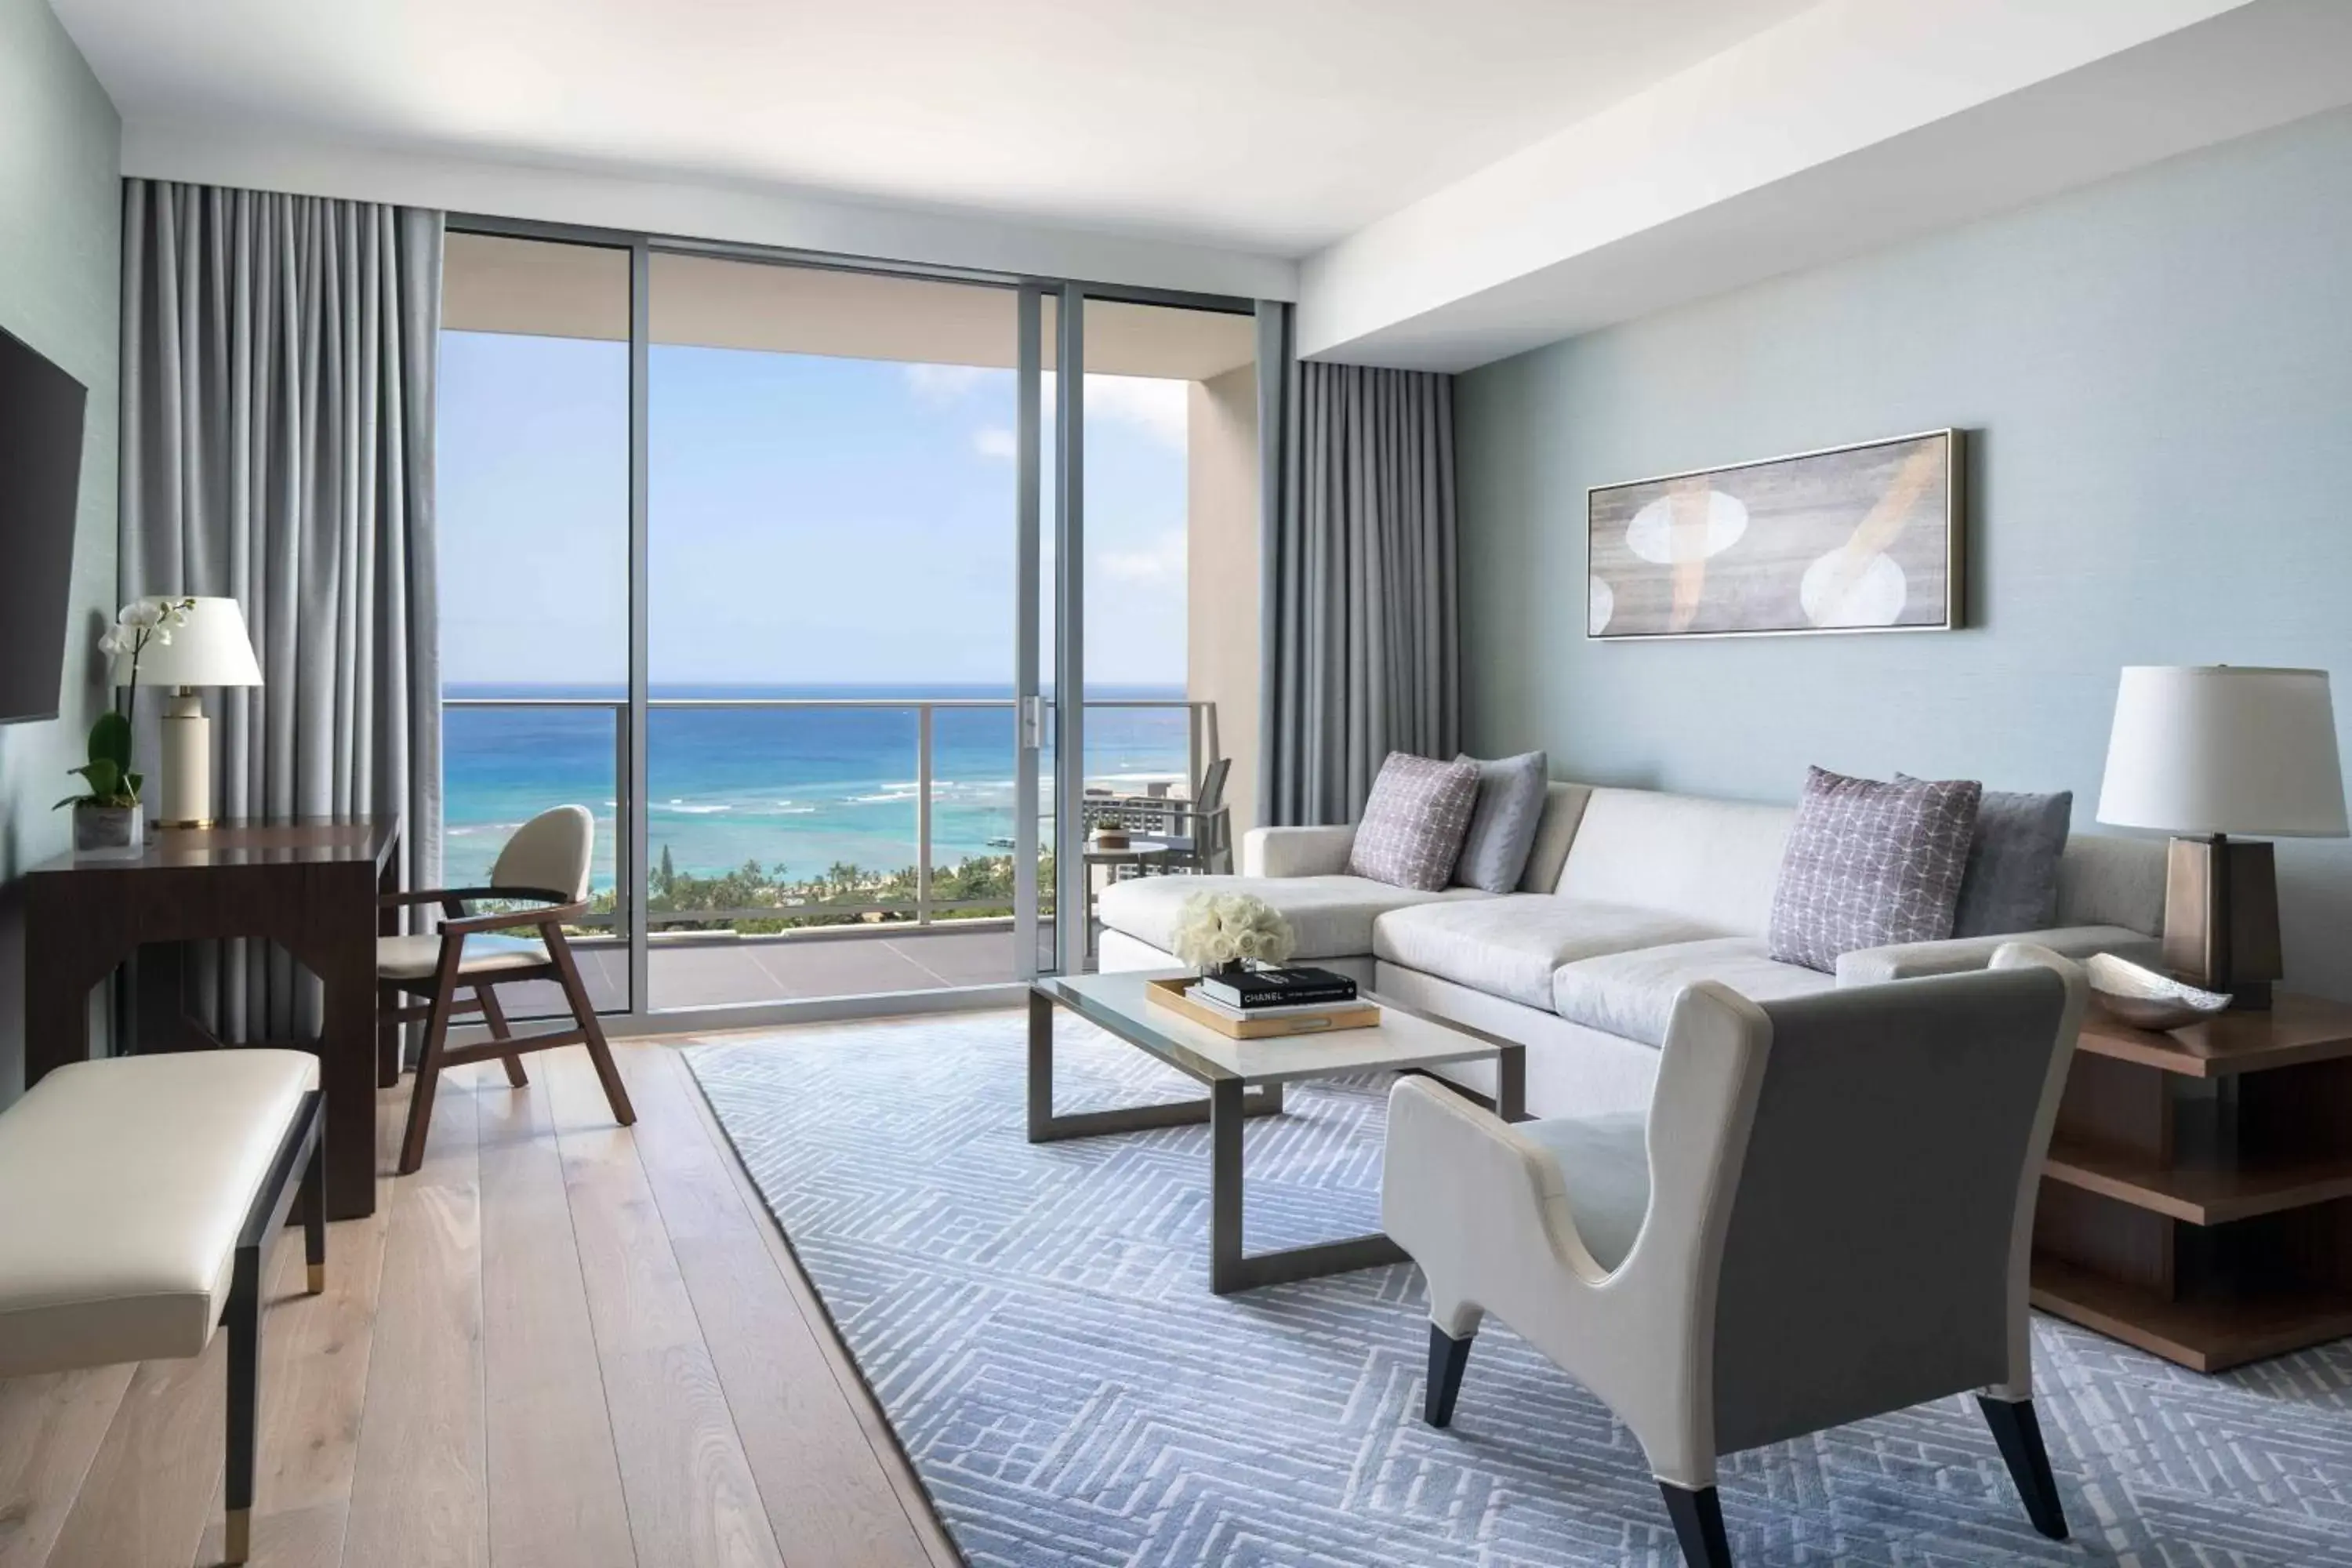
[798, 790]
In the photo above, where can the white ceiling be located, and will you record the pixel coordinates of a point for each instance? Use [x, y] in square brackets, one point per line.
[1269, 125]
[1856, 124]
[1436, 182]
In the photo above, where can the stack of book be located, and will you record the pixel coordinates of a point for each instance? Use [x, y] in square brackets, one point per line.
[1275, 992]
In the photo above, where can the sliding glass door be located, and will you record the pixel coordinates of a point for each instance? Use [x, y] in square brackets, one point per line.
[832, 775]
[533, 580]
[846, 611]
[1157, 529]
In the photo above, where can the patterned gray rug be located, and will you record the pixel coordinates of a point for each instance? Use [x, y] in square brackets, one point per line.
[1037, 1325]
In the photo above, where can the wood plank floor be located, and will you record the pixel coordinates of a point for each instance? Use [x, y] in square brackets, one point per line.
[561, 1342]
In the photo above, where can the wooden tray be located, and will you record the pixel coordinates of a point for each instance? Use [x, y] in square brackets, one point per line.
[1169, 994]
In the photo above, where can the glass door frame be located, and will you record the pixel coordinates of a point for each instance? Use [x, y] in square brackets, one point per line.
[1038, 714]
[1030, 717]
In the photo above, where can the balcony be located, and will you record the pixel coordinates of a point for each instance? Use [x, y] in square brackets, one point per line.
[800, 848]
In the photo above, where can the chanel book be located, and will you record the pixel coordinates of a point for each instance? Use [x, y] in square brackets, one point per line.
[1255, 989]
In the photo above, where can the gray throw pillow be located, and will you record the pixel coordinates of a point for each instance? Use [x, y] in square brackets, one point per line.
[1870, 864]
[1503, 821]
[2011, 883]
[1412, 827]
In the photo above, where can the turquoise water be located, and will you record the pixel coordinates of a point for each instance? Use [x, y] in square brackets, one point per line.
[798, 790]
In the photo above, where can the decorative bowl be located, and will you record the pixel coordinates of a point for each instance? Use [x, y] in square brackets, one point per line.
[2146, 998]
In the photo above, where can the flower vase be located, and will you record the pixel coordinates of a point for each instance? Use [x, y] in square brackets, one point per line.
[98, 828]
[1230, 969]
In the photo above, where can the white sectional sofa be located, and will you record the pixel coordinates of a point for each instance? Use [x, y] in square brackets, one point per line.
[1629, 896]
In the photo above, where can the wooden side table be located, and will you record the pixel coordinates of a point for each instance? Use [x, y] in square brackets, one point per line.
[2197, 1199]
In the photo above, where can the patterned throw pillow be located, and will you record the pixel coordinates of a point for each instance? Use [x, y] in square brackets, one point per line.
[1411, 832]
[1503, 824]
[2012, 883]
[1870, 864]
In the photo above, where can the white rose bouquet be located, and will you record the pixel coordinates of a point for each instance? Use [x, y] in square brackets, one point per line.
[1215, 930]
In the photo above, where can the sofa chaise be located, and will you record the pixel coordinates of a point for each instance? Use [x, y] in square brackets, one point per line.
[1628, 897]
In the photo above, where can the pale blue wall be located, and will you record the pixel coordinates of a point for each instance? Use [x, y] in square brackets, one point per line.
[60, 225]
[2157, 372]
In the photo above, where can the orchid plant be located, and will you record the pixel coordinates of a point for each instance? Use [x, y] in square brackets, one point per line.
[1215, 930]
[141, 625]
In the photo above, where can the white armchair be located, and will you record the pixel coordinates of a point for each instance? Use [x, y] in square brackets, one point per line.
[1827, 1214]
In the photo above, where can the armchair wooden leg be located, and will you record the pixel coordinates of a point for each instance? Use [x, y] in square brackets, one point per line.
[1697, 1514]
[486, 996]
[584, 1011]
[428, 1070]
[2018, 1433]
[1447, 1357]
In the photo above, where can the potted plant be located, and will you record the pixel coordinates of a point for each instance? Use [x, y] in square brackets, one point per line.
[106, 816]
[1225, 932]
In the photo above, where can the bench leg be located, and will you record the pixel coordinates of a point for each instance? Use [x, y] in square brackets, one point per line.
[243, 1402]
[314, 1214]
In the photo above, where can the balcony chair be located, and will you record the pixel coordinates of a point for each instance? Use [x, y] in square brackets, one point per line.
[545, 866]
[1826, 1215]
[1205, 842]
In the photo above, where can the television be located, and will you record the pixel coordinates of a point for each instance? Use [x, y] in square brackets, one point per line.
[41, 412]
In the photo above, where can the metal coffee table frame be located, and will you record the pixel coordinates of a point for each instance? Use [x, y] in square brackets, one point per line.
[1231, 1100]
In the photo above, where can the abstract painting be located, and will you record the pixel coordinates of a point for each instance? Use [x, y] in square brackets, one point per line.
[1863, 538]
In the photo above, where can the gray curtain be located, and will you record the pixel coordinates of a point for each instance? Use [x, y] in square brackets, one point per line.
[1362, 634]
[277, 363]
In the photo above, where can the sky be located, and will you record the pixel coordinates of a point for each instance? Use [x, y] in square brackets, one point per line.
[813, 520]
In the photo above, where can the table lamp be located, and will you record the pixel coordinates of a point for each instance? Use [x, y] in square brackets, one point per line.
[210, 649]
[2205, 752]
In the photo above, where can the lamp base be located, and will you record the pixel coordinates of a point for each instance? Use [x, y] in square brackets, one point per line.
[187, 794]
[2221, 918]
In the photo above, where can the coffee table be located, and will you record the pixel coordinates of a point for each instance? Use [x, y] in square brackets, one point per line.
[1244, 1079]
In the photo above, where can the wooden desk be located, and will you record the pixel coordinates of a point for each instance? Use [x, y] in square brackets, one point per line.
[2197, 1199]
[310, 886]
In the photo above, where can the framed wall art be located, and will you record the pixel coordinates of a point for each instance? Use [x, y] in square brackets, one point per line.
[1850, 539]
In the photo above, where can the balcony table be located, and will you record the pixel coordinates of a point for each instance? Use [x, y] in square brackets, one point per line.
[1140, 853]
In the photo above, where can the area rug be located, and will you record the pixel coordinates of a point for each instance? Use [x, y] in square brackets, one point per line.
[1036, 1323]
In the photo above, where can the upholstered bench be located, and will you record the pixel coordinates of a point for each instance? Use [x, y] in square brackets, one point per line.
[143, 1195]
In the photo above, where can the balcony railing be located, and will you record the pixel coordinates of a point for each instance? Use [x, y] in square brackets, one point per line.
[1202, 742]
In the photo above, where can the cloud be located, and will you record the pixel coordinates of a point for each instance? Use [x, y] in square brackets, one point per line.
[1156, 407]
[943, 382]
[1161, 561]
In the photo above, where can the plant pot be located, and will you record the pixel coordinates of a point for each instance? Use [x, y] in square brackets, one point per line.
[101, 827]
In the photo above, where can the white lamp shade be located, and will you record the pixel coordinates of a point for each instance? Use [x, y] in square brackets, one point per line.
[211, 649]
[2200, 750]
